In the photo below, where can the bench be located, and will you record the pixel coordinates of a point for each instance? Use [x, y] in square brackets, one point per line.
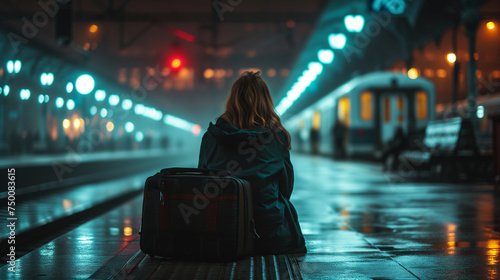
[448, 149]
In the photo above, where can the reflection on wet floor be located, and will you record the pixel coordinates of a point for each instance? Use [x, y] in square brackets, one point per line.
[358, 224]
[358, 218]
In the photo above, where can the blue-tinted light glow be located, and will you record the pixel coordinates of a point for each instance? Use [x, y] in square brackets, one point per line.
[114, 100]
[93, 110]
[148, 112]
[480, 112]
[70, 104]
[6, 90]
[40, 98]
[100, 95]
[46, 98]
[337, 41]
[43, 79]
[354, 23]
[139, 109]
[50, 79]
[178, 122]
[69, 87]
[103, 112]
[315, 67]
[25, 94]
[10, 66]
[17, 66]
[84, 84]
[59, 102]
[139, 136]
[326, 56]
[129, 127]
[127, 104]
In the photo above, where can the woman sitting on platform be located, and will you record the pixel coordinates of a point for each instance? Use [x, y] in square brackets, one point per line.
[249, 140]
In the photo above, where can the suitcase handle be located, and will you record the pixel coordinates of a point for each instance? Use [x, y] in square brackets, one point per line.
[196, 171]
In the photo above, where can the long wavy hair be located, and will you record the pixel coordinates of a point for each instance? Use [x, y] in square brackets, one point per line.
[250, 105]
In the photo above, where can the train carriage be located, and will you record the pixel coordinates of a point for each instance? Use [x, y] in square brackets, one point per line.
[357, 118]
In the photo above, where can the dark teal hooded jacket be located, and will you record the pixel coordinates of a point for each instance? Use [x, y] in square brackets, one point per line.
[261, 157]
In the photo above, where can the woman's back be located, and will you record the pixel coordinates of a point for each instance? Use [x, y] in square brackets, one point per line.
[249, 140]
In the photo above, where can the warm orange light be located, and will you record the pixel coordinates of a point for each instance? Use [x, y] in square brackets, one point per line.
[413, 73]
[67, 204]
[451, 57]
[93, 28]
[176, 63]
[110, 126]
[490, 25]
[127, 231]
[66, 123]
[76, 123]
[441, 73]
[271, 72]
[209, 73]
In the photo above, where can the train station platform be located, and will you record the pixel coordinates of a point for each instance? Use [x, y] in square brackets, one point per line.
[359, 223]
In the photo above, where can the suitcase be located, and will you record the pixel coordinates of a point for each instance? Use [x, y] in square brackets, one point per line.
[201, 214]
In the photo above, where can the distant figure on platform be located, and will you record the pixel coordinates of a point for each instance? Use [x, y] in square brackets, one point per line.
[314, 137]
[339, 130]
[250, 141]
[393, 148]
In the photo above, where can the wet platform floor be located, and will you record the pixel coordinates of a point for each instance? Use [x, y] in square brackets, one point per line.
[359, 223]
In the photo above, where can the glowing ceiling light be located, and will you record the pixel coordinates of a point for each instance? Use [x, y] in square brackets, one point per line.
[43, 79]
[84, 84]
[10, 66]
[315, 67]
[100, 95]
[129, 127]
[24, 94]
[70, 104]
[337, 41]
[114, 100]
[69, 87]
[6, 90]
[46, 98]
[354, 23]
[127, 104]
[326, 56]
[17, 66]
[50, 79]
[59, 102]
[103, 112]
[490, 25]
[40, 98]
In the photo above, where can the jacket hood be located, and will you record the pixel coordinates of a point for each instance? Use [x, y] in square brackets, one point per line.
[228, 134]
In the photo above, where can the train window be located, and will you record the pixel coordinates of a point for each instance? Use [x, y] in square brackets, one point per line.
[421, 105]
[316, 121]
[344, 110]
[366, 106]
[387, 109]
[400, 106]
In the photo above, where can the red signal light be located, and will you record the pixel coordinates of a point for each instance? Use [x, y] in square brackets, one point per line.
[176, 63]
